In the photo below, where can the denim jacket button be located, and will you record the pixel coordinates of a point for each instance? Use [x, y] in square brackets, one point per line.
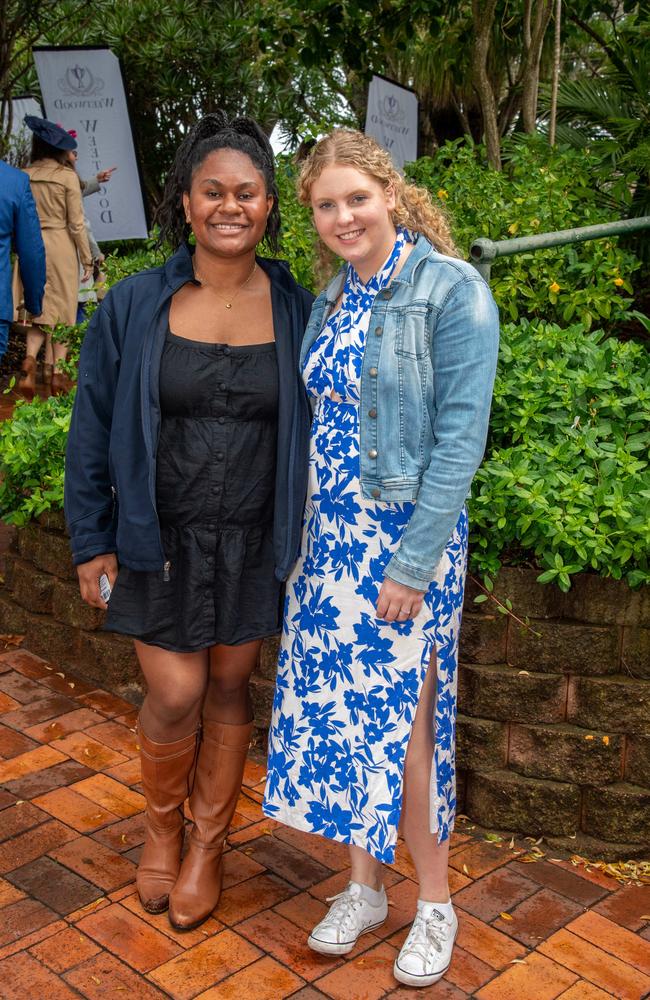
[373, 373]
[376, 493]
[378, 331]
[372, 453]
[372, 413]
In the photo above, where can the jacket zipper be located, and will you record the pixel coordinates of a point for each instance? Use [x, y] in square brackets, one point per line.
[166, 569]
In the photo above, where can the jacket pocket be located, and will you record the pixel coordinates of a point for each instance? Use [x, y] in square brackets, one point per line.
[411, 333]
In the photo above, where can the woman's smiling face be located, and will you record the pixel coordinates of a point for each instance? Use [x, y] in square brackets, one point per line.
[227, 204]
[352, 214]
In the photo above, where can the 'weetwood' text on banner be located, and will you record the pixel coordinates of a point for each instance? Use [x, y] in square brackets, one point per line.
[83, 90]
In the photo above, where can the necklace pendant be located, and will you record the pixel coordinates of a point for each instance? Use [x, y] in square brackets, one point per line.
[228, 305]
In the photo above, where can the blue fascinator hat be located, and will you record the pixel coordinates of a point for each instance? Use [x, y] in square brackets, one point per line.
[51, 133]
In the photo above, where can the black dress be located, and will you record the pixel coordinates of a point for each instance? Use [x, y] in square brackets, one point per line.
[214, 492]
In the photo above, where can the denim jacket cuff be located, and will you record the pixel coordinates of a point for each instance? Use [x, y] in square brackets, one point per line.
[401, 573]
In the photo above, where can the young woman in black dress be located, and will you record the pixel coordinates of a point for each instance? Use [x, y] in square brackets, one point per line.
[185, 480]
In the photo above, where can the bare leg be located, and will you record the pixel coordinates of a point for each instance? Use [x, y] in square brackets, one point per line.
[27, 382]
[60, 352]
[429, 857]
[176, 685]
[365, 868]
[48, 354]
[227, 698]
[34, 338]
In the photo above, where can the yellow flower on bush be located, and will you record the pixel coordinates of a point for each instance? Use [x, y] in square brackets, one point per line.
[442, 194]
[513, 227]
[618, 282]
[555, 288]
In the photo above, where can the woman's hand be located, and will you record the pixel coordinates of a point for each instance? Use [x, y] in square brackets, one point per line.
[105, 175]
[87, 272]
[398, 603]
[89, 574]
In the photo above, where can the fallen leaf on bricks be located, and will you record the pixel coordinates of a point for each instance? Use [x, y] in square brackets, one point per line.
[11, 640]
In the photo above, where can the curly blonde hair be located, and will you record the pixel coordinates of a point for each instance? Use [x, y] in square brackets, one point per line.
[414, 208]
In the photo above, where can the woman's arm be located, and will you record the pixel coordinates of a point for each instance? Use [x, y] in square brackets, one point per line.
[30, 250]
[464, 353]
[75, 220]
[89, 503]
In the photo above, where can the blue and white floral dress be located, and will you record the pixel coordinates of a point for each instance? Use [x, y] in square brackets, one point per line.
[348, 683]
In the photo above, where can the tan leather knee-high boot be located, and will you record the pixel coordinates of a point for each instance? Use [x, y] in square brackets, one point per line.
[166, 781]
[219, 772]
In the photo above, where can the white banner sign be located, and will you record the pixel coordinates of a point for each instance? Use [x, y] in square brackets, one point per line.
[392, 119]
[20, 136]
[83, 90]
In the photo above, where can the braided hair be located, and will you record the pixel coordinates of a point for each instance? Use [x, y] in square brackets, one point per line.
[215, 131]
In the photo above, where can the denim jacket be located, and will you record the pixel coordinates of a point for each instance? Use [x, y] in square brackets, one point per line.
[426, 387]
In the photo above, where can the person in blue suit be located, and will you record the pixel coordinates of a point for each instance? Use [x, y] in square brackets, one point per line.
[20, 230]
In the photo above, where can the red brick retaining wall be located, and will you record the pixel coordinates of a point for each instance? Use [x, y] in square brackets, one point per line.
[553, 731]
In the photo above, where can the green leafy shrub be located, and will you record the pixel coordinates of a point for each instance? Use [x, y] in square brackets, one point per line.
[32, 453]
[298, 237]
[566, 479]
[540, 190]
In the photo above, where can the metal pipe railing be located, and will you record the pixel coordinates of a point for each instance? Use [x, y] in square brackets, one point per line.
[483, 252]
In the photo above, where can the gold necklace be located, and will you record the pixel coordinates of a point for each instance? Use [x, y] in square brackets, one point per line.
[206, 284]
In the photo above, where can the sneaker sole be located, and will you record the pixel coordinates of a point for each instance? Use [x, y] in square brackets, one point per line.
[329, 948]
[409, 979]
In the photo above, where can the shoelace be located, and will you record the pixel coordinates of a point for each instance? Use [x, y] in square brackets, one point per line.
[426, 933]
[343, 912]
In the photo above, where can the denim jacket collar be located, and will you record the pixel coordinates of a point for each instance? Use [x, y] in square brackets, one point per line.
[422, 248]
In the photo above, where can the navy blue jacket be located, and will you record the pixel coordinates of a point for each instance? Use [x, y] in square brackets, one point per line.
[19, 226]
[110, 480]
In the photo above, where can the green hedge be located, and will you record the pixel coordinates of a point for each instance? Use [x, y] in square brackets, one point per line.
[565, 485]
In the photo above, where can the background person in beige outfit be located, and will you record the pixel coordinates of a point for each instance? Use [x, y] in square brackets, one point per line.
[57, 193]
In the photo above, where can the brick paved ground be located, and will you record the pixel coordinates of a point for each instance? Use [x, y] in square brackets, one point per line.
[71, 925]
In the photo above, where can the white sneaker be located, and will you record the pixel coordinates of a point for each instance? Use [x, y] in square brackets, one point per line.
[349, 916]
[426, 953]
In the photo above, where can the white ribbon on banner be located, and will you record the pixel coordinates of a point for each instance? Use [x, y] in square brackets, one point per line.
[83, 90]
[392, 119]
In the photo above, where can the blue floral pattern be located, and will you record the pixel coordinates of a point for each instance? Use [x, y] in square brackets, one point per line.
[348, 683]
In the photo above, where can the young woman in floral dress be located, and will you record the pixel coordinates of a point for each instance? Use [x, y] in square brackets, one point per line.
[399, 358]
